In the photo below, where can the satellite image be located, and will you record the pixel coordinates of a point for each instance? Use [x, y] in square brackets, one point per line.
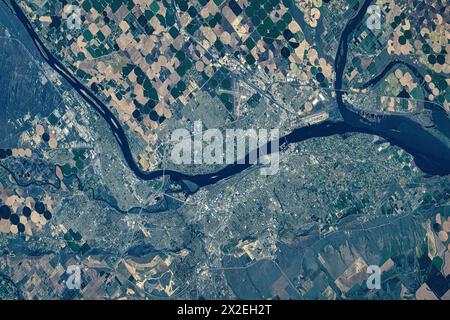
[224, 150]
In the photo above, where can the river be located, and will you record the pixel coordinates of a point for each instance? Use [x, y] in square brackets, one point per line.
[430, 154]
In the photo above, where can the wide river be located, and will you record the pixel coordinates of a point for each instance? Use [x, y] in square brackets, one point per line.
[430, 154]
